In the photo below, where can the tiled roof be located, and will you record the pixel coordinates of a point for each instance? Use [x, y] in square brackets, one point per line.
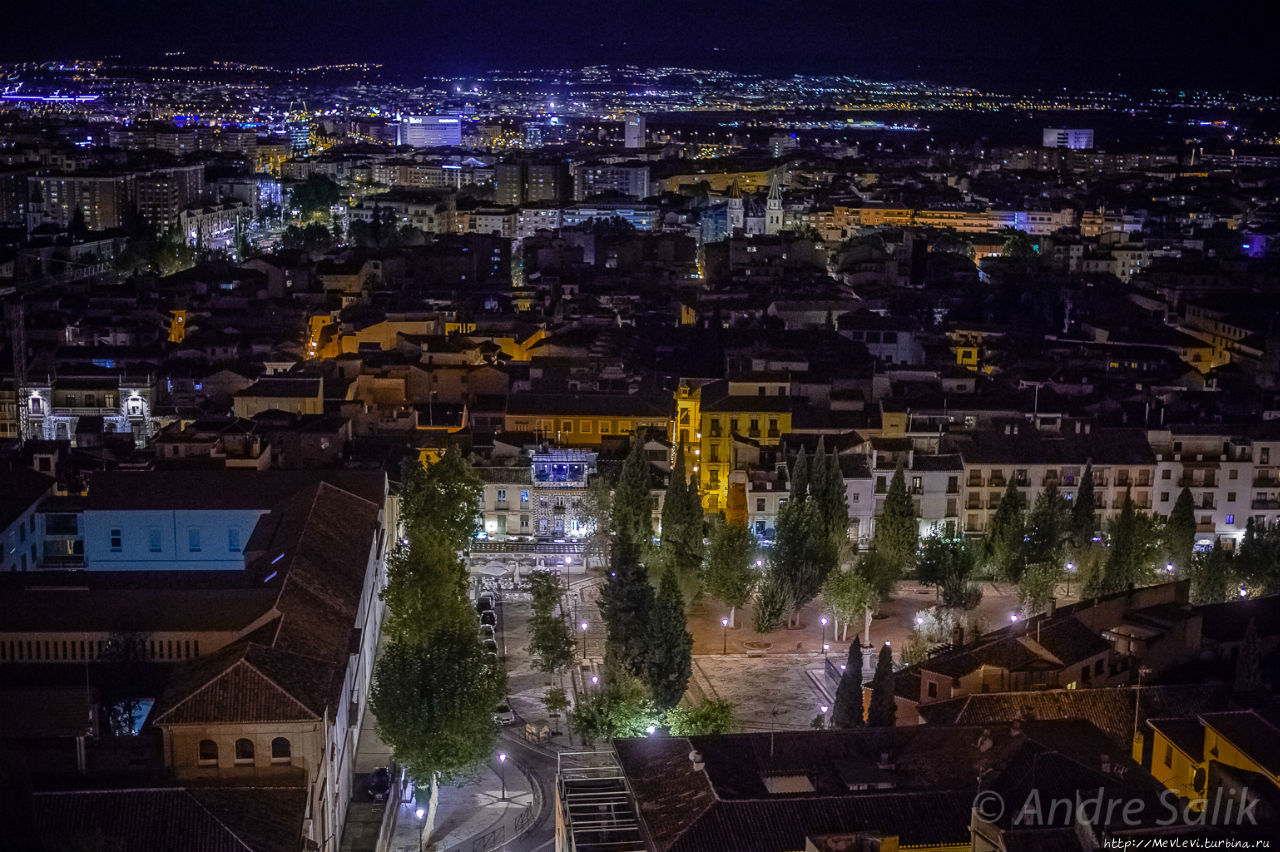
[319, 542]
[1186, 734]
[175, 819]
[1251, 733]
[242, 693]
[1101, 446]
[1110, 709]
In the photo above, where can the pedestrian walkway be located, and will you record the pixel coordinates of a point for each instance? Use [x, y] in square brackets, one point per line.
[478, 815]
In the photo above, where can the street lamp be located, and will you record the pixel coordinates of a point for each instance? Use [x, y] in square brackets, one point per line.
[650, 730]
[420, 813]
[595, 680]
[823, 621]
[1071, 569]
[583, 628]
[502, 770]
[824, 708]
[724, 636]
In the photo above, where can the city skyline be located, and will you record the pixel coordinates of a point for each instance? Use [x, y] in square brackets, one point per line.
[965, 43]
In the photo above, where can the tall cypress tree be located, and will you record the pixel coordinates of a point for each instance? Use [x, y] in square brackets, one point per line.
[681, 541]
[1082, 519]
[884, 706]
[847, 712]
[800, 476]
[626, 599]
[897, 534]
[1002, 547]
[1180, 532]
[670, 648]
[1121, 567]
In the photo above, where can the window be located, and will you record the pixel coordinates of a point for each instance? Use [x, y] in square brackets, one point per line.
[524, 495]
[1164, 496]
[1097, 667]
[1231, 496]
[193, 539]
[916, 484]
[1168, 754]
[281, 751]
[233, 539]
[207, 753]
[502, 495]
[933, 689]
[1166, 474]
[1233, 474]
[153, 539]
[759, 504]
[244, 751]
[1231, 519]
[117, 542]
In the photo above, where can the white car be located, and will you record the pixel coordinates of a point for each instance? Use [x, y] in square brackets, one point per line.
[503, 714]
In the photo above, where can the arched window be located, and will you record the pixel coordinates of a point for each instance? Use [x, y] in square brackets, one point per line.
[207, 755]
[281, 751]
[244, 750]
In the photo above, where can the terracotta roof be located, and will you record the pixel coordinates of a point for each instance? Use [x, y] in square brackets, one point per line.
[175, 819]
[1110, 709]
[241, 693]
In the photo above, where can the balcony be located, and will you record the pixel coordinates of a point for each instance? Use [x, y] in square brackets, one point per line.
[1192, 482]
[1266, 504]
[996, 482]
[500, 505]
[953, 488]
[973, 503]
[1050, 479]
[1266, 480]
[975, 482]
[1205, 528]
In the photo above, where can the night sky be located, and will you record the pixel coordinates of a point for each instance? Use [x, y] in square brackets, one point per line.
[1074, 43]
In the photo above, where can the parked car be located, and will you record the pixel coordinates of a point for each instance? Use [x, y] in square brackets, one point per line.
[379, 784]
[485, 601]
[486, 631]
[503, 714]
[489, 617]
[490, 646]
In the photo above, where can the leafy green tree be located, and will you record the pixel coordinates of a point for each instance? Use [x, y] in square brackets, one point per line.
[556, 700]
[1036, 586]
[1018, 246]
[314, 195]
[551, 642]
[897, 532]
[796, 556]
[1003, 545]
[884, 706]
[847, 712]
[850, 597]
[433, 701]
[731, 573]
[623, 708]
[713, 716]
[680, 545]
[444, 496]
[1180, 532]
[596, 511]
[1134, 548]
[1258, 562]
[627, 597]
[799, 480]
[771, 603]
[670, 646]
[1212, 575]
[426, 584]
[950, 565]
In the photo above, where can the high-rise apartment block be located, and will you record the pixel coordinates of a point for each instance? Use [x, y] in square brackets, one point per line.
[430, 131]
[634, 132]
[590, 179]
[1068, 137]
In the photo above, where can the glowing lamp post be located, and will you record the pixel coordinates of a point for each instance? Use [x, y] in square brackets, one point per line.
[724, 636]
[583, 628]
[502, 772]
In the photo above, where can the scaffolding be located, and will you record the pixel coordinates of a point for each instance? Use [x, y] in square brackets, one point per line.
[596, 812]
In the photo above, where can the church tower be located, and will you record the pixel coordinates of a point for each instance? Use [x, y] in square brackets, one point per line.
[773, 209]
[737, 213]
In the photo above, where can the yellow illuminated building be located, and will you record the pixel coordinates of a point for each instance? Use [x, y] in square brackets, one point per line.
[177, 326]
[755, 411]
